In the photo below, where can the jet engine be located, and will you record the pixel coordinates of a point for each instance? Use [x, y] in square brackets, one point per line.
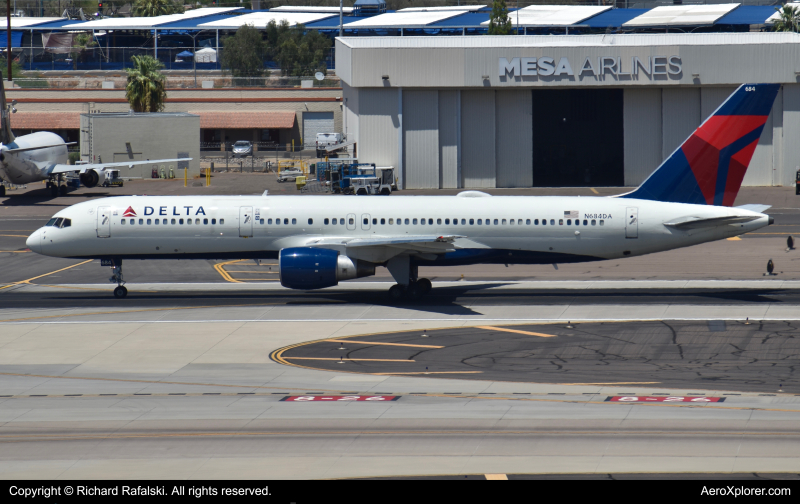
[317, 268]
[92, 178]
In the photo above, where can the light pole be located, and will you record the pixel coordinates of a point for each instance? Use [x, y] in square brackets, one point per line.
[194, 54]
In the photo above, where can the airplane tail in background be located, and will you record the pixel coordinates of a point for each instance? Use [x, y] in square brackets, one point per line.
[6, 135]
[709, 166]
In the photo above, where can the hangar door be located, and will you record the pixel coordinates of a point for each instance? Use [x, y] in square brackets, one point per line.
[313, 123]
[578, 138]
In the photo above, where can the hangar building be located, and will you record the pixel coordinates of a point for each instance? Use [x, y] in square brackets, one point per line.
[583, 110]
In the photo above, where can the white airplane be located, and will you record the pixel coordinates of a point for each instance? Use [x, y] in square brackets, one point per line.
[43, 156]
[322, 240]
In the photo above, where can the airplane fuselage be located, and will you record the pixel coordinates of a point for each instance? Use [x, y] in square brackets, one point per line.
[32, 166]
[490, 229]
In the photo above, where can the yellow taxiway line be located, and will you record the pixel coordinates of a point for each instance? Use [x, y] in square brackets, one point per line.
[221, 270]
[377, 343]
[335, 359]
[504, 329]
[46, 274]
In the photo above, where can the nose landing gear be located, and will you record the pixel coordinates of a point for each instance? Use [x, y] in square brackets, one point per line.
[116, 277]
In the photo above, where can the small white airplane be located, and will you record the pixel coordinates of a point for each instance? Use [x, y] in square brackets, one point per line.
[43, 156]
[321, 240]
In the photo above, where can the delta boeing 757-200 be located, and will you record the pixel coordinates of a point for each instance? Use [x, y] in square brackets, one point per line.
[322, 240]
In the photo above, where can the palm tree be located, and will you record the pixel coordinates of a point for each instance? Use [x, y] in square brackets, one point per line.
[152, 8]
[789, 20]
[145, 89]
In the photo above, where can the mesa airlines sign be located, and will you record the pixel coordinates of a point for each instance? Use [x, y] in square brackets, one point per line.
[604, 65]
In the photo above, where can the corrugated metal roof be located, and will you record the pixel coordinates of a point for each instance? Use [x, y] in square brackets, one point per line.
[553, 15]
[467, 20]
[333, 22]
[631, 40]
[682, 15]
[776, 15]
[326, 10]
[406, 19]
[613, 18]
[23, 22]
[146, 23]
[262, 18]
[748, 15]
[468, 8]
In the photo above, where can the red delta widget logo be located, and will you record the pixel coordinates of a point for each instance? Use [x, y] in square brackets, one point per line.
[130, 212]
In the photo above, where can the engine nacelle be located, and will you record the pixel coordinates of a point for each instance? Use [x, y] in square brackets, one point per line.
[317, 268]
[91, 178]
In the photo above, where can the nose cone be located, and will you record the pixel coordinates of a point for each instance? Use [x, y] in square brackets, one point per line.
[34, 241]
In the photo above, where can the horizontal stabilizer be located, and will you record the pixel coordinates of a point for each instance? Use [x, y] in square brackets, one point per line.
[25, 149]
[755, 207]
[692, 222]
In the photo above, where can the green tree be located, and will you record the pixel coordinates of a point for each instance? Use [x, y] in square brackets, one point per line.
[152, 8]
[243, 54]
[80, 43]
[789, 20]
[145, 89]
[499, 24]
[297, 51]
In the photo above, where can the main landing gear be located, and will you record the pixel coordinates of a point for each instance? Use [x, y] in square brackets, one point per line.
[408, 286]
[55, 186]
[116, 277]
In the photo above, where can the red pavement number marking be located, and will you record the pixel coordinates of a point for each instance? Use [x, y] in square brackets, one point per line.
[664, 399]
[335, 398]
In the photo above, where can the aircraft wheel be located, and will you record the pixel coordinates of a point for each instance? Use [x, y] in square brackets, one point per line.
[415, 290]
[424, 285]
[120, 292]
[397, 292]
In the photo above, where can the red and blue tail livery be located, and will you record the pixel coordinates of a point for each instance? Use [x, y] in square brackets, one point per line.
[709, 166]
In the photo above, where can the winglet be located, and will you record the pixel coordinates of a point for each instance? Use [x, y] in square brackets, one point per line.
[708, 168]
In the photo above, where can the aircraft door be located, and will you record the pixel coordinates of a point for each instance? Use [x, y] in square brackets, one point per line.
[104, 222]
[365, 221]
[351, 221]
[631, 222]
[246, 222]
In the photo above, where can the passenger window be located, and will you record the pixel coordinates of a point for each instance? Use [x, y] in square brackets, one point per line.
[149, 221]
[326, 221]
[180, 221]
[310, 221]
[463, 222]
[352, 221]
[277, 222]
[496, 222]
[173, 221]
[415, 222]
[569, 222]
[285, 222]
[552, 222]
[586, 222]
[480, 221]
[222, 221]
[527, 222]
[504, 222]
[601, 222]
[294, 221]
[447, 221]
[366, 221]
[214, 221]
[594, 222]
[488, 221]
[535, 222]
[511, 222]
[438, 221]
[205, 221]
[383, 221]
[374, 221]
[155, 222]
[391, 221]
[544, 222]
[471, 222]
[519, 222]
[430, 222]
[188, 221]
[141, 221]
[560, 222]
[407, 222]
[334, 222]
[122, 222]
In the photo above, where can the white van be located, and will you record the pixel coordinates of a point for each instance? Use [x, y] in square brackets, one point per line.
[325, 140]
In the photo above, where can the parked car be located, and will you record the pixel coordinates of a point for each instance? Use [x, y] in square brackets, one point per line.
[325, 140]
[242, 148]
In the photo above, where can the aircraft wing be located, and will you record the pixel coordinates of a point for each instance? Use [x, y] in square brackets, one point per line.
[755, 207]
[692, 222]
[81, 168]
[379, 249]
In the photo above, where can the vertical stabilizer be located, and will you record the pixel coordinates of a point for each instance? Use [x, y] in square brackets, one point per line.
[6, 135]
[708, 168]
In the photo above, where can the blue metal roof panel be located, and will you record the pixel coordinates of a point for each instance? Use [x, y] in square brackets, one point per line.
[191, 24]
[747, 15]
[469, 19]
[16, 39]
[53, 25]
[333, 22]
[612, 18]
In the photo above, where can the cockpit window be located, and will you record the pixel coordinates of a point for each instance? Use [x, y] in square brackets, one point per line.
[51, 222]
[58, 222]
[66, 223]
